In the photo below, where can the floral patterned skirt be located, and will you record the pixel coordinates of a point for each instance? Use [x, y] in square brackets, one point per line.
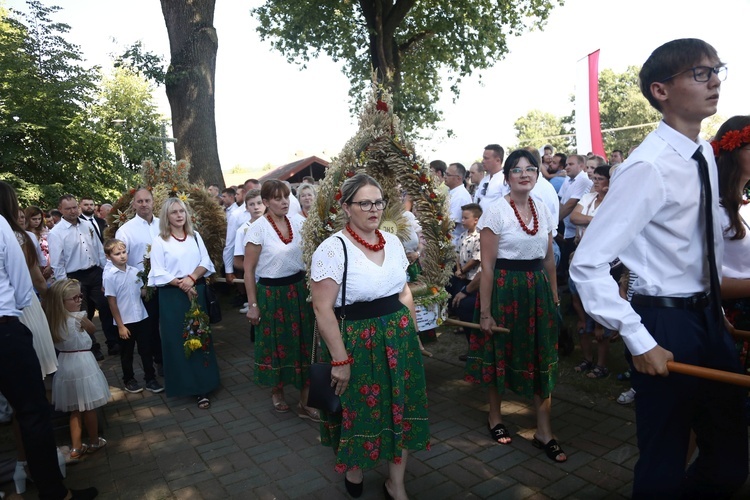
[524, 360]
[385, 404]
[284, 335]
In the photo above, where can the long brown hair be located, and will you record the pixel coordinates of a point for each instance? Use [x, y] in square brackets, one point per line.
[33, 211]
[730, 172]
[54, 307]
[9, 209]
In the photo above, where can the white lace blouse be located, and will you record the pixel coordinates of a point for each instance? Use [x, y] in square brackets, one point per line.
[176, 259]
[365, 281]
[514, 243]
[277, 259]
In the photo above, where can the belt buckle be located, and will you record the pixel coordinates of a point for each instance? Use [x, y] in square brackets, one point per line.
[697, 300]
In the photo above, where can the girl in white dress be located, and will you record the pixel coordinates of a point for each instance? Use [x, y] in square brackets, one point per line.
[79, 386]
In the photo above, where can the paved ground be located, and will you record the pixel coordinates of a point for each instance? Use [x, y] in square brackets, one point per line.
[167, 448]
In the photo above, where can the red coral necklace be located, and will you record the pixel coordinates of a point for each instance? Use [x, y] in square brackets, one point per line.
[286, 241]
[376, 247]
[534, 218]
[178, 239]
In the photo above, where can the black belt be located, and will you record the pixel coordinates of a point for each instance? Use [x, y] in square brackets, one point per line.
[83, 271]
[373, 309]
[8, 319]
[286, 280]
[519, 265]
[694, 302]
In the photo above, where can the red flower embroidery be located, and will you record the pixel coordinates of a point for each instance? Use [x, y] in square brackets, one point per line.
[371, 401]
[403, 322]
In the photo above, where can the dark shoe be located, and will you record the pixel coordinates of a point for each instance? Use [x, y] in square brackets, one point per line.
[86, 494]
[154, 386]
[133, 387]
[204, 403]
[499, 432]
[462, 357]
[598, 372]
[354, 489]
[97, 352]
[114, 350]
[584, 366]
[551, 449]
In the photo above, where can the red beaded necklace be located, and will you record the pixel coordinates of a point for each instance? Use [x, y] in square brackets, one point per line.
[535, 219]
[178, 239]
[376, 247]
[286, 241]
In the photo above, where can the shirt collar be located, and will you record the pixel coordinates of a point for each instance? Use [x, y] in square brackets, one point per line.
[154, 220]
[683, 145]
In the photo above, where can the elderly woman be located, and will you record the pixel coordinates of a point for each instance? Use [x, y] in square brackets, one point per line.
[306, 194]
[377, 370]
[179, 264]
[582, 216]
[277, 304]
[518, 291]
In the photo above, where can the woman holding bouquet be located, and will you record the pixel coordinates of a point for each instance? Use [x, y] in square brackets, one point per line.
[179, 264]
[377, 366]
[518, 291]
[277, 304]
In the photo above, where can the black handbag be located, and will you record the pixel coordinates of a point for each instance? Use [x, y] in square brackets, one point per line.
[212, 304]
[322, 396]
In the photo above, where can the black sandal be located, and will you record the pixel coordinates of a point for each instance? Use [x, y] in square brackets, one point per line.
[204, 403]
[551, 449]
[499, 432]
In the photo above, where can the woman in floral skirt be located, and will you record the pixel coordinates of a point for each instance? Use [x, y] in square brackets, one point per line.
[277, 304]
[518, 291]
[377, 366]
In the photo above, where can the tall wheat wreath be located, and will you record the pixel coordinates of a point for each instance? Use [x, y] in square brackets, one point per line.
[380, 150]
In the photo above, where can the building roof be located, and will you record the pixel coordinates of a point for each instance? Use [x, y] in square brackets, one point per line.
[295, 171]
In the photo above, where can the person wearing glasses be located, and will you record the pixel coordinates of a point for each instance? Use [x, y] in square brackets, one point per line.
[277, 304]
[517, 291]
[663, 220]
[458, 196]
[378, 371]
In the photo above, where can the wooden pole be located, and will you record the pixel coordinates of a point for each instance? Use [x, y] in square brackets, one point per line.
[709, 373]
[466, 324]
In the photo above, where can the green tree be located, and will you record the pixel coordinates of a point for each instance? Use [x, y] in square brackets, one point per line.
[405, 42]
[621, 105]
[538, 128]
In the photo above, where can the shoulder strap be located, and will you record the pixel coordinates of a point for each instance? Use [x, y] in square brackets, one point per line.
[343, 281]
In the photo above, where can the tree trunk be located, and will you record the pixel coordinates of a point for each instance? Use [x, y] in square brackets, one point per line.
[190, 85]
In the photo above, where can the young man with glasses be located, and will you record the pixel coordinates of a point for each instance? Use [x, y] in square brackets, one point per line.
[662, 220]
[458, 196]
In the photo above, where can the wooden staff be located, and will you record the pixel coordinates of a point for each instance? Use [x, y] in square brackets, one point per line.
[709, 373]
[741, 334]
[466, 324]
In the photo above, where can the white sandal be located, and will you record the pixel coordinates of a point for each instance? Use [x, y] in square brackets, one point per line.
[93, 448]
[626, 397]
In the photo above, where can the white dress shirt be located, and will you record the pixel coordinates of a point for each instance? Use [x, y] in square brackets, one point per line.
[235, 220]
[125, 286]
[15, 282]
[574, 187]
[458, 197]
[294, 206]
[493, 192]
[74, 247]
[176, 259]
[653, 221]
[137, 234]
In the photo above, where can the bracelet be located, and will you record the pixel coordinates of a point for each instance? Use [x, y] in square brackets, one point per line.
[191, 278]
[463, 290]
[347, 361]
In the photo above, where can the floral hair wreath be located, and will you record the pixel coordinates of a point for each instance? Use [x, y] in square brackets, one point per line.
[731, 140]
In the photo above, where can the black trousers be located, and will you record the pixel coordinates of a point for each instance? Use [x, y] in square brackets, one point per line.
[152, 328]
[465, 309]
[22, 385]
[140, 335]
[91, 288]
[667, 408]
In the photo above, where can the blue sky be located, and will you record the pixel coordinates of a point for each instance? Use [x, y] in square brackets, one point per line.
[270, 111]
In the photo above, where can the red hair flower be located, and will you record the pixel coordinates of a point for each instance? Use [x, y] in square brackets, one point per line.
[715, 147]
[731, 140]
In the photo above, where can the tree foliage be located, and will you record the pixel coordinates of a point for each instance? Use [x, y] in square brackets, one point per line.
[538, 128]
[407, 43]
[53, 138]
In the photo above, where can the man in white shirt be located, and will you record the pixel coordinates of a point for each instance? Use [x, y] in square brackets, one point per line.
[137, 234]
[575, 186]
[491, 187]
[655, 221]
[458, 196]
[75, 251]
[227, 200]
[20, 382]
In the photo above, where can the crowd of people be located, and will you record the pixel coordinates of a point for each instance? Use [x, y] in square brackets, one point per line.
[650, 248]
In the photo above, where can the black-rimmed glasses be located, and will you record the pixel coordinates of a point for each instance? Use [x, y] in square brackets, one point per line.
[702, 74]
[367, 205]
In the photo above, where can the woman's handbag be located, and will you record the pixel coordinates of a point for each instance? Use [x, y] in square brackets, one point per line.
[322, 396]
[212, 304]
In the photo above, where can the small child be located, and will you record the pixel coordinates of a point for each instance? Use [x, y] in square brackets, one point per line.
[124, 289]
[79, 385]
[467, 266]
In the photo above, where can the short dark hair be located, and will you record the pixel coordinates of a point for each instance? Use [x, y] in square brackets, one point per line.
[603, 170]
[273, 189]
[439, 166]
[231, 191]
[618, 151]
[474, 208]
[497, 149]
[66, 197]
[515, 157]
[55, 212]
[668, 60]
[214, 185]
[562, 156]
[460, 170]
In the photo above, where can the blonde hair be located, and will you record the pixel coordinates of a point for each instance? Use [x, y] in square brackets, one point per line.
[57, 315]
[113, 243]
[164, 230]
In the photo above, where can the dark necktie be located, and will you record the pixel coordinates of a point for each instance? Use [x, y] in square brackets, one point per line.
[96, 227]
[708, 214]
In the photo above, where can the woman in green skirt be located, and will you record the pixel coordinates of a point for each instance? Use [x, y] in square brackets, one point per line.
[518, 291]
[277, 304]
[179, 262]
[377, 366]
